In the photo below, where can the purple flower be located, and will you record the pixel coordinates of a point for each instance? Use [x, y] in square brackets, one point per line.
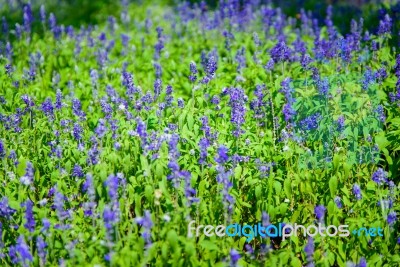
[112, 185]
[175, 175]
[147, 99]
[27, 179]
[28, 18]
[323, 86]
[88, 184]
[238, 109]
[311, 122]
[47, 107]
[288, 91]
[160, 43]
[4, 26]
[30, 221]
[380, 176]
[181, 103]
[340, 123]
[280, 52]
[345, 49]
[288, 112]
[396, 66]
[42, 14]
[146, 224]
[101, 128]
[127, 81]
[20, 252]
[380, 113]
[106, 108]
[305, 61]
[125, 40]
[110, 217]
[381, 75]
[338, 202]
[9, 69]
[2, 150]
[77, 171]
[117, 146]
[249, 249]
[173, 146]
[215, 100]
[9, 51]
[265, 219]
[211, 66]
[77, 131]
[157, 88]
[193, 72]
[263, 168]
[385, 203]
[374, 45]
[5, 210]
[169, 90]
[41, 247]
[299, 46]
[46, 225]
[58, 103]
[77, 108]
[205, 127]
[56, 30]
[88, 188]
[256, 39]
[309, 250]
[228, 37]
[235, 256]
[62, 214]
[223, 178]
[203, 145]
[94, 77]
[190, 192]
[385, 25]
[141, 129]
[357, 191]
[320, 212]
[114, 127]
[28, 101]
[362, 263]
[158, 70]
[56, 150]
[270, 65]
[241, 59]
[392, 217]
[222, 156]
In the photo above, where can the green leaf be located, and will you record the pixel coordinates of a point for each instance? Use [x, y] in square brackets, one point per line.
[288, 187]
[382, 141]
[278, 187]
[336, 160]
[333, 184]
[149, 192]
[205, 244]
[172, 238]
[258, 192]
[296, 262]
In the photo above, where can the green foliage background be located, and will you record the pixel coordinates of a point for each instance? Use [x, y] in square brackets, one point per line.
[300, 180]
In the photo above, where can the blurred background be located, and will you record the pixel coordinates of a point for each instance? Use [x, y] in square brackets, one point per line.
[85, 12]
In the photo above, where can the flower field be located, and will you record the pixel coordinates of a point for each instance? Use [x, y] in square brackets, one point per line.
[115, 137]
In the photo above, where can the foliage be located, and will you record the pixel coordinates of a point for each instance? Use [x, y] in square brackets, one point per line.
[114, 137]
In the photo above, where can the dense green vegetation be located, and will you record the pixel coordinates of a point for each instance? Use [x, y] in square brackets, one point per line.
[113, 137]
